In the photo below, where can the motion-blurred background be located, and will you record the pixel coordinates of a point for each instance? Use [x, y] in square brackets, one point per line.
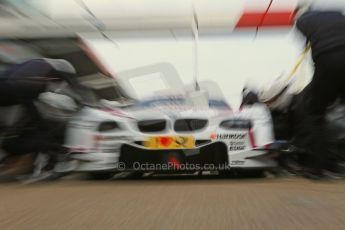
[235, 45]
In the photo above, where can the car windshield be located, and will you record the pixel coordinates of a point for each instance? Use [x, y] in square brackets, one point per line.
[103, 87]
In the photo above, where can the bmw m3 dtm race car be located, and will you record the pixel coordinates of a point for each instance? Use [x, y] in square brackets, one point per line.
[178, 128]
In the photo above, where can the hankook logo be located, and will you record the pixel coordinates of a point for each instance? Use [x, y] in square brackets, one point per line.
[235, 136]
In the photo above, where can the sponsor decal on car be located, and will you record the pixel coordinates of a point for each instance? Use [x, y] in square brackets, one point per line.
[228, 136]
[237, 147]
[232, 136]
[237, 141]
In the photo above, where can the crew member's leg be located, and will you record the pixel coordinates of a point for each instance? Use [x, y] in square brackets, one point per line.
[323, 90]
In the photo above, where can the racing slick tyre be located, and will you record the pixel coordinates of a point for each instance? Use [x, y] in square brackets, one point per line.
[252, 173]
[100, 175]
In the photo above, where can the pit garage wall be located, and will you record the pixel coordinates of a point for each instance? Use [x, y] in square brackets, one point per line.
[231, 59]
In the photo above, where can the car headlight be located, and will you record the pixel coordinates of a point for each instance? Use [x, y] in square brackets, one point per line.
[236, 124]
[108, 126]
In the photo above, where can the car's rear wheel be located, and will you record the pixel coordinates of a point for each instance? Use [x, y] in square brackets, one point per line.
[253, 173]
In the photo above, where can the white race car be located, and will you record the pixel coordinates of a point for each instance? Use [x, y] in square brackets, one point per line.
[176, 129]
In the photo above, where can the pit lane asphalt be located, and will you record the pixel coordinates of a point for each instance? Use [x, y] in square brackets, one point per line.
[208, 202]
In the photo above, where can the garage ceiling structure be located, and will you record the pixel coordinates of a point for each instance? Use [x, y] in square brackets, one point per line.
[56, 18]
